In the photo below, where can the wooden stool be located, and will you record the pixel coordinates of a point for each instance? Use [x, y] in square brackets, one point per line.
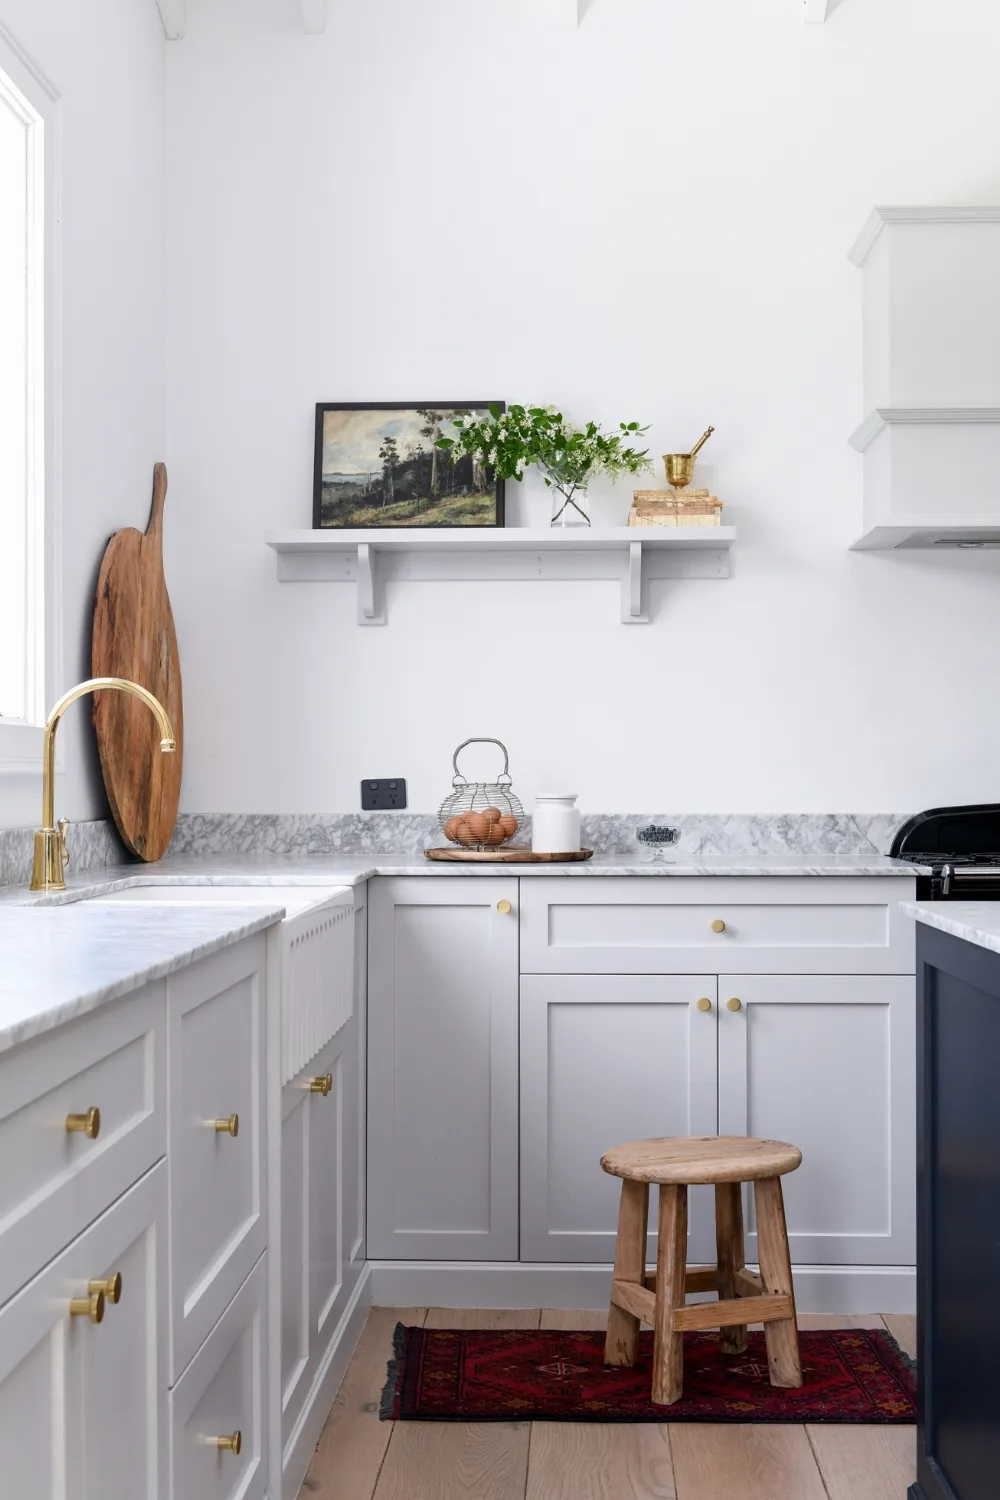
[675, 1163]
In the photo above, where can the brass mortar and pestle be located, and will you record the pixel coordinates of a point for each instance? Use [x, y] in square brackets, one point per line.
[680, 466]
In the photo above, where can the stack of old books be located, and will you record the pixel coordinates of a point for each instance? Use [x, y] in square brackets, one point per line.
[689, 507]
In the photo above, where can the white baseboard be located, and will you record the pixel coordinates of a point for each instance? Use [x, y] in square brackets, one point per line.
[818, 1289]
[306, 1433]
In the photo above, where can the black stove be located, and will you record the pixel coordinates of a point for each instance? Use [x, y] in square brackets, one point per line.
[962, 847]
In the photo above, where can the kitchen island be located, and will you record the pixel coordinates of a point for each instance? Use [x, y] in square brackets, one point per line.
[958, 1223]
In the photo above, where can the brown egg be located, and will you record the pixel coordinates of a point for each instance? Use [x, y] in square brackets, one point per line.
[451, 829]
[464, 834]
[495, 836]
[508, 823]
[478, 824]
[494, 814]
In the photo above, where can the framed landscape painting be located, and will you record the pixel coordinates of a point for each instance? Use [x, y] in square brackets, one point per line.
[377, 464]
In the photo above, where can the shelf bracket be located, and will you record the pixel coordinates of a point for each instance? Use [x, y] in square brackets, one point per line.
[632, 610]
[371, 608]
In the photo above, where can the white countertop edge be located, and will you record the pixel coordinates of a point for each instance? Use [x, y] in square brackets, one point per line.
[234, 924]
[976, 922]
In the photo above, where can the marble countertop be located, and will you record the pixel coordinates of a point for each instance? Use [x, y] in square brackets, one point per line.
[60, 963]
[352, 870]
[976, 921]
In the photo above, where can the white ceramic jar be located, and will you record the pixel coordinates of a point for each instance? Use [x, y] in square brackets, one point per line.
[555, 824]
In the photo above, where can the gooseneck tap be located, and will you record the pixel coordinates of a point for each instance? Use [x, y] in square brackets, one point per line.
[50, 840]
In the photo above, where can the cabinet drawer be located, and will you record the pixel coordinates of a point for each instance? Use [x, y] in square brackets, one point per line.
[768, 925]
[215, 1015]
[56, 1181]
[221, 1394]
[81, 1404]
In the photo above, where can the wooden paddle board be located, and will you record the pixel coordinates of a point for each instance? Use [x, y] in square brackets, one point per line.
[134, 637]
[511, 854]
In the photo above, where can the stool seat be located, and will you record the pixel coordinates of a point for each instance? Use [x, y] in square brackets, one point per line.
[701, 1159]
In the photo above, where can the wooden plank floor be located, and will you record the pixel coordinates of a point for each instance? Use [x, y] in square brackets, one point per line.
[361, 1458]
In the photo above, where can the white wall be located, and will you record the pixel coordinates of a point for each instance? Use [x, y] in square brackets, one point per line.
[105, 57]
[650, 218]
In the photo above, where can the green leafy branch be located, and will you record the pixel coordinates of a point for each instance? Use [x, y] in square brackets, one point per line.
[568, 457]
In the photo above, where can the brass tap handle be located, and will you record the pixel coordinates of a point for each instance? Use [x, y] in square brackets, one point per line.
[91, 1306]
[88, 1124]
[230, 1126]
[63, 825]
[704, 1004]
[322, 1085]
[110, 1287]
[231, 1444]
[734, 1004]
[718, 925]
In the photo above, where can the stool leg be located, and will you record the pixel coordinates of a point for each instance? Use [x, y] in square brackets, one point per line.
[622, 1340]
[782, 1337]
[671, 1264]
[729, 1247]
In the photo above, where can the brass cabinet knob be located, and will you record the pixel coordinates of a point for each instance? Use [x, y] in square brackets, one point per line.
[718, 925]
[322, 1085]
[228, 1127]
[111, 1288]
[91, 1306]
[734, 1004]
[231, 1444]
[88, 1124]
[704, 1003]
[503, 907]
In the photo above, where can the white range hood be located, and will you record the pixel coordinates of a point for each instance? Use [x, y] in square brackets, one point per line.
[931, 439]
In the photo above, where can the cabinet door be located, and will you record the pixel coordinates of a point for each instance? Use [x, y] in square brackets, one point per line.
[82, 1405]
[216, 1045]
[607, 1059]
[828, 1063]
[317, 1277]
[355, 1096]
[442, 1069]
[220, 1394]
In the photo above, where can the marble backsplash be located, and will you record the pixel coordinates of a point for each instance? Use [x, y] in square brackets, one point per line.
[410, 833]
[96, 844]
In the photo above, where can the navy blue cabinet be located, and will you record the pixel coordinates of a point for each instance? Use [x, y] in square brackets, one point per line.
[958, 989]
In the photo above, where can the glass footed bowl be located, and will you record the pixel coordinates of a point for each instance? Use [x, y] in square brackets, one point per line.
[657, 840]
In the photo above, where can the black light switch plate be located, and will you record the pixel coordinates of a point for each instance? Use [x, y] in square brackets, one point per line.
[383, 796]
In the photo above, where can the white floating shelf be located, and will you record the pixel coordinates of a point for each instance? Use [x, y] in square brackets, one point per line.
[631, 556]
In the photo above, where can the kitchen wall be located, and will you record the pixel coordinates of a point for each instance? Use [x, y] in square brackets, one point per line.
[648, 218]
[105, 57]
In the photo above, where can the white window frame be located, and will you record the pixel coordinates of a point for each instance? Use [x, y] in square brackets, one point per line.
[21, 740]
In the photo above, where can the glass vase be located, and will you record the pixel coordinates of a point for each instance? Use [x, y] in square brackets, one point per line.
[570, 508]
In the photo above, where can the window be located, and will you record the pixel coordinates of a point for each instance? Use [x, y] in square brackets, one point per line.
[25, 277]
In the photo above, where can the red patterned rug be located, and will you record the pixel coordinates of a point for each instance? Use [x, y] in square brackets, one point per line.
[542, 1375]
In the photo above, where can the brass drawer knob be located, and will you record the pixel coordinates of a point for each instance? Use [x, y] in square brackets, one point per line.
[228, 1127]
[704, 1003]
[322, 1085]
[718, 925]
[734, 1004]
[91, 1306]
[88, 1124]
[231, 1444]
[503, 907]
[111, 1288]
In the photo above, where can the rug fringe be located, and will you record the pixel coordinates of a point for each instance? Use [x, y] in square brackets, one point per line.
[392, 1374]
[910, 1364]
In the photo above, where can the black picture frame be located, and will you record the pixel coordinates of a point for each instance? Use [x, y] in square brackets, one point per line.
[322, 484]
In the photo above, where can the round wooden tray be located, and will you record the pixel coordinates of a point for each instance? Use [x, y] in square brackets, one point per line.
[513, 854]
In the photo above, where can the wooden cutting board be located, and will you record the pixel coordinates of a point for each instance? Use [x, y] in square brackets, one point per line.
[134, 637]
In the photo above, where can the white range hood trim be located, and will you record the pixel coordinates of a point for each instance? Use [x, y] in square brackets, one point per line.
[919, 416]
[880, 217]
[927, 536]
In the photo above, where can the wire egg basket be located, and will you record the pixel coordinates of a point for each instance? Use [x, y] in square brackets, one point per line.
[481, 814]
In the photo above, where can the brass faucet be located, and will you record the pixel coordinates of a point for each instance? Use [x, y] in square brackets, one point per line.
[51, 856]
